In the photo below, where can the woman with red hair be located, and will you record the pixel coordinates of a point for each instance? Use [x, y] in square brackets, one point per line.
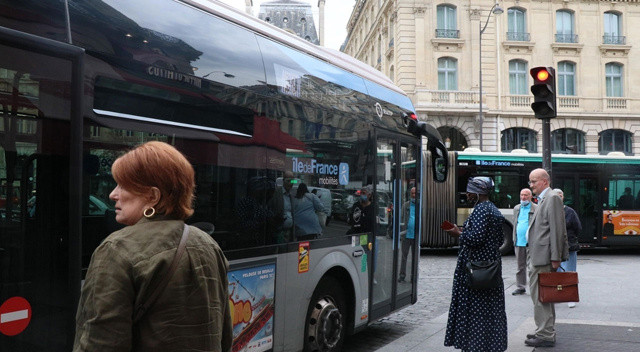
[157, 284]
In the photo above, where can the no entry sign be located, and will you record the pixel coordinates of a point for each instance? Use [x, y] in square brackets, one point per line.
[15, 315]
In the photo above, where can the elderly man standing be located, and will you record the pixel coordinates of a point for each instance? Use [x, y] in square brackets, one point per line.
[548, 247]
[523, 214]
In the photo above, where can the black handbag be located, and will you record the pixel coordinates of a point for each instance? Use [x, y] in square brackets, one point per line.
[483, 275]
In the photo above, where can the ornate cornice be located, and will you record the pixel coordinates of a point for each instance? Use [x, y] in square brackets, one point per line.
[609, 50]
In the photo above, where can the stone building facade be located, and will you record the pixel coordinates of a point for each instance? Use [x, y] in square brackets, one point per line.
[294, 16]
[431, 48]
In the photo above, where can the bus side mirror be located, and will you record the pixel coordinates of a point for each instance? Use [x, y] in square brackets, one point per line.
[439, 160]
[439, 155]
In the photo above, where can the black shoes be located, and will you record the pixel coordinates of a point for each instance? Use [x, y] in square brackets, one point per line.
[519, 291]
[538, 342]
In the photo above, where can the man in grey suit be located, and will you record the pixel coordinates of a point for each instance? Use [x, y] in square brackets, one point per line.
[548, 247]
[522, 216]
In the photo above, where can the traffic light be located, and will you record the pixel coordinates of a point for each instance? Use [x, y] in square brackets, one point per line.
[544, 92]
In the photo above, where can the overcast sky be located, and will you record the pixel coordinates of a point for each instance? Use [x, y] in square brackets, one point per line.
[336, 14]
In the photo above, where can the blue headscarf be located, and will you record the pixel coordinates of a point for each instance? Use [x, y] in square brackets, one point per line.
[480, 185]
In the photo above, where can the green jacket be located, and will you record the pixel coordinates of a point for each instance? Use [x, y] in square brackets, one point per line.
[192, 314]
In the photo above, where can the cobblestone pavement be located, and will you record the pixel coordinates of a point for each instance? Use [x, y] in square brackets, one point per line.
[434, 295]
[606, 320]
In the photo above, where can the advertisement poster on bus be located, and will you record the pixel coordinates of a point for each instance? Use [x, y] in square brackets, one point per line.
[620, 223]
[251, 298]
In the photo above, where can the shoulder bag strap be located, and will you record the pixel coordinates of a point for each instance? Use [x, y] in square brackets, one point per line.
[144, 307]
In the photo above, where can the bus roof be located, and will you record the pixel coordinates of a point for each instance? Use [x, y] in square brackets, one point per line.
[332, 56]
[537, 157]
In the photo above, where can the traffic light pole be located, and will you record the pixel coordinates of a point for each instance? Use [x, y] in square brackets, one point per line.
[546, 145]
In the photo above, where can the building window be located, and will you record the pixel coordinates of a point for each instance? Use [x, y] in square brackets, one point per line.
[519, 138]
[447, 73]
[392, 74]
[518, 77]
[613, 76]
[447, 27]
[613, 28]
[564, 27]
[567, 141]
[517, 30]
[615, 141]
[566, 78]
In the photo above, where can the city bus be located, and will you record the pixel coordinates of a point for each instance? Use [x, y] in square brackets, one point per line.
[603, 189]
[83, 81]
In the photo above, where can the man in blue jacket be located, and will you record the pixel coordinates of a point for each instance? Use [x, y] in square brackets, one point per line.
[522, 214]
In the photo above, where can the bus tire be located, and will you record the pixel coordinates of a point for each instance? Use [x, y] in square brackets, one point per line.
[326, 323]
[507, 243]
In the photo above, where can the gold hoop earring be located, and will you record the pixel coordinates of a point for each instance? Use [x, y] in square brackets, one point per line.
[149, 216]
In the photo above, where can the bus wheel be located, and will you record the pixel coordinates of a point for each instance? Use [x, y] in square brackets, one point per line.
[326, 318]
[507, 244]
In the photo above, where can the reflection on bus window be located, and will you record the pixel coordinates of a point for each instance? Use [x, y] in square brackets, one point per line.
[506, 192]
[239, 182]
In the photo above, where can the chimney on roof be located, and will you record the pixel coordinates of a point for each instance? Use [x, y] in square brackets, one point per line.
[321, 21]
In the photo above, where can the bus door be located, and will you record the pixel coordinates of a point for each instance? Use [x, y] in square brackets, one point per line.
[37, 100]
[396, 173]
[581, 194]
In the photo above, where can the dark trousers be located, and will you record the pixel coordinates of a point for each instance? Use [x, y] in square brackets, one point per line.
[407, 244]
[521, 273]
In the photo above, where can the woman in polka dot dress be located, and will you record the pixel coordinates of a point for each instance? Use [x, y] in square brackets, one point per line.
[477, 318]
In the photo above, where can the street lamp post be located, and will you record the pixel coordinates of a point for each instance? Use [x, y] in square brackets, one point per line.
[497, 10]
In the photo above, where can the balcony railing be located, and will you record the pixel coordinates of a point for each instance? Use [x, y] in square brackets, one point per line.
[614, 39]
[568, 102]
[566, 38]
[616, 103]
[447, 33]
[519, 103]
[518, 36]
[451, 97]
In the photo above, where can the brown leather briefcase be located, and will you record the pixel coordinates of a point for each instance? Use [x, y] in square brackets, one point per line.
[556, 287]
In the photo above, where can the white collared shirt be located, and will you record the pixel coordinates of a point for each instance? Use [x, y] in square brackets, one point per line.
[541, 196]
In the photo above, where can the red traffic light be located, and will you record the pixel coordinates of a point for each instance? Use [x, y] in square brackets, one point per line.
[542, 75]
[544, 92]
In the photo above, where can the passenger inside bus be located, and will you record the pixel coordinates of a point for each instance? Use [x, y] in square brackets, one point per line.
[626, 200]
[306, 205]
